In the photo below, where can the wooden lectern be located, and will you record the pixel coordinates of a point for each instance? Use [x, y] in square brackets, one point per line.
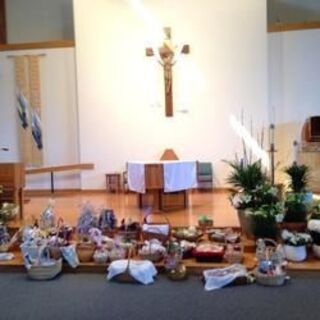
[12, 179]
[155, 196]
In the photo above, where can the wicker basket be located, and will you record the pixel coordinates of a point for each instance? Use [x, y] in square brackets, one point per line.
[129, 235]
[270, 280]
[153, 257]
[55, 252]
[126, 276]
[234, 256]
[194, 238]
[154, 232]
[4, 247]
[45, 272]
[85, 251]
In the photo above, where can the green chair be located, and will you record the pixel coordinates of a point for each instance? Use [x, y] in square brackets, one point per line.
[204, 175]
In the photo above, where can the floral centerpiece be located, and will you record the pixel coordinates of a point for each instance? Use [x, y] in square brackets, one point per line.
[295, 245]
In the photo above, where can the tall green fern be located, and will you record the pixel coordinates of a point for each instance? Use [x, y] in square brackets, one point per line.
[299, 176]
[246, 176]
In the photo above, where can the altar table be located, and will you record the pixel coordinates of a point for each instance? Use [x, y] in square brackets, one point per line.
[162, 185]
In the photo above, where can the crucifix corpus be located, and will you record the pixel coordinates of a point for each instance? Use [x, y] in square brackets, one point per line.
[167, 56]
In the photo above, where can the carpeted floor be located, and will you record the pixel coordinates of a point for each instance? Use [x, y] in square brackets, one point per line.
[91, 296]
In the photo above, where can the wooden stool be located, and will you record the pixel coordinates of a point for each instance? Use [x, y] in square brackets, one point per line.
[113, 182]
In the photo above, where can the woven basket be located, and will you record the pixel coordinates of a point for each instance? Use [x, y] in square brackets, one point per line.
[153, 257]
[129, 235]
[4, 247]
[194, 238]
[45, 272]
[234, 256]
[153, 232]
[270, 280]
[55, 252]
[85, 251]
[126, 277]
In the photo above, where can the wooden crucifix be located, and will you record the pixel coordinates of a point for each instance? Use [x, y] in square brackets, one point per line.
[167, 56]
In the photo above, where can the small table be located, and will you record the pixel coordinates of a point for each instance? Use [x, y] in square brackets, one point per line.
[113, 182]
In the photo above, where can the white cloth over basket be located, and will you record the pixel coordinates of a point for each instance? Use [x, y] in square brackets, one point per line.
[156, 228]
[218, 278]
[142, 271]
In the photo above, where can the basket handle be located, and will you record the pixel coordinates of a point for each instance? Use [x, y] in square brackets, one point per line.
[162, 215]
[129, 259]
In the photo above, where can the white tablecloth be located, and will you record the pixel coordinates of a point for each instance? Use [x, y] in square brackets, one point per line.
[178, 175]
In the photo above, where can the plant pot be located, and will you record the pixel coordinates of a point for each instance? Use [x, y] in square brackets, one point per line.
[264, 227]
[295, 254]
[294, 226]
[245, 224]
[316, 251]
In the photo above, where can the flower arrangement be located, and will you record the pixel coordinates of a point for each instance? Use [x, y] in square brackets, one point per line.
[295, 239]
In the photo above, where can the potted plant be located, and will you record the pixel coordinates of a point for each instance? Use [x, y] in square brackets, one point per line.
[205, 222]
[265, 220]
[246, 177]
[298, 199]
[295, 245]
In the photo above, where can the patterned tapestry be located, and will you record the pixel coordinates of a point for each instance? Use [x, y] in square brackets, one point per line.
[28, 96]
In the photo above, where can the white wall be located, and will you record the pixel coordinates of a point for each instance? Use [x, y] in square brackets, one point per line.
[294, 73]
[225, 72]
[59, 116]
[39, 20]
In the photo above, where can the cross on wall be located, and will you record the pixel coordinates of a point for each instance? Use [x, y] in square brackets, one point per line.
[167, 57]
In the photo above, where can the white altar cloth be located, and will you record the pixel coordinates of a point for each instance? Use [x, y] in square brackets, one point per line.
[178, 175]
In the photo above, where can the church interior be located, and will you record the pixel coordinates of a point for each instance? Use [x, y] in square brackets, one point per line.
[168, 143]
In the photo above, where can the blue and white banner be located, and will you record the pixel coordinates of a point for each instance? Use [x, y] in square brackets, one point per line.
[23, 109]
[36, 129]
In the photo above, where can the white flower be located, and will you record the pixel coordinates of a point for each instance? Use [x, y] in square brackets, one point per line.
[279, 217]
[314, 225]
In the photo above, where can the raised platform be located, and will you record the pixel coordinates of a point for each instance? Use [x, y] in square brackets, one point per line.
[193, 267]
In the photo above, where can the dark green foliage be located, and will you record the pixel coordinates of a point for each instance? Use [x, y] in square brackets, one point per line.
[246, 176]
[315, 237]
[264, 224]
[299, 175]
[296, 208]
